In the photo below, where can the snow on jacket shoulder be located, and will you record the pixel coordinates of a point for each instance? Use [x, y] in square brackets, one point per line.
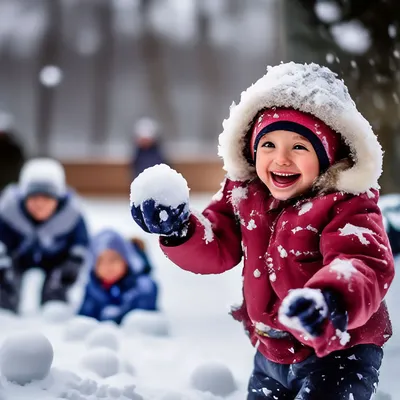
[329, 241]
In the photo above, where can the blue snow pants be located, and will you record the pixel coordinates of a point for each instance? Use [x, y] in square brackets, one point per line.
[337, 376]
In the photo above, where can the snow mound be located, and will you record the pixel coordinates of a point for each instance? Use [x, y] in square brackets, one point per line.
[79, 328]
[26, 356]
[57, 311]
[213, 377]
[145, 322]
[162, 184]
[103, 362]
[103, 336]
[172, 396]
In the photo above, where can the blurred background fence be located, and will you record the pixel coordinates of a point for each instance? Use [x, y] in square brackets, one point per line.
[76, 74]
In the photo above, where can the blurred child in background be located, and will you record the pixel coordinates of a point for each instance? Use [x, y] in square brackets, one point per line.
[41, 225]
[119, 279]
[147, 151]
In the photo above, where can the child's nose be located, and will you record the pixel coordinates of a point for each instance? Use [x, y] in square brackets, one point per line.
[282, 158]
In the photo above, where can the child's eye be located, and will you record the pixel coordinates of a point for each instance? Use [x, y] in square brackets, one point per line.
[268, 144]
[299, 147]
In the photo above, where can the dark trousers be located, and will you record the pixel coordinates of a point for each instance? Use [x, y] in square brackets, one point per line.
[10, 288]
[337, 376]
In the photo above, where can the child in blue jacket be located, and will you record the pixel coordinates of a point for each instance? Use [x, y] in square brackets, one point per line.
[42, 226]
[119, 279]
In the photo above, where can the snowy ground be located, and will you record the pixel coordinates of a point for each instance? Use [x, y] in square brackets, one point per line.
[161, 367]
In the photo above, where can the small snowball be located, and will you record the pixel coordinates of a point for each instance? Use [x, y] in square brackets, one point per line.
[26, 356]
[57, 311]
[161, 183]
[103, 336]
[145, 322]
[79, 327]
[104, 362]
[213, 377]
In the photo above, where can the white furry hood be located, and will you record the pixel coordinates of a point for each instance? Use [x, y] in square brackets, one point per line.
[315, 90]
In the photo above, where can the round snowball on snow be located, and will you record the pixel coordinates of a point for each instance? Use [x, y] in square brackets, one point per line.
[145, 322]
[162, 184]
[79, 327]
[25, 357]
[213, 377]
[103, 336]
[57, 311]
[103, 362]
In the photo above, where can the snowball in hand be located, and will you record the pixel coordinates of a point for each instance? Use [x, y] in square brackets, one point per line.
[25, 357]
[162, 184]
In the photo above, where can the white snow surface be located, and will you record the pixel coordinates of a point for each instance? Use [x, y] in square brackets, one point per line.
[200, 334]
[162, 184]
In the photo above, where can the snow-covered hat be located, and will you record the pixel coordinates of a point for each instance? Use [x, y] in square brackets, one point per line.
[146, 128]
[314, 90]
[325, 141]
[42, 176]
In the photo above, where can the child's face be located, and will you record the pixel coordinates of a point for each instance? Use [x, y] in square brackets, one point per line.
[284, 152]
[41, 207]
[110, 266]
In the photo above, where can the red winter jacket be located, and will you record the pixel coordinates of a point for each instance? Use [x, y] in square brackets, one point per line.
[334, 241]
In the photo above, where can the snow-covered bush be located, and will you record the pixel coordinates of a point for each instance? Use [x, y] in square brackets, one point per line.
[103, 336]
[79, 327]
[57, 311]
[213, 377]
[145, 322]
[25, 357]
[104, 362]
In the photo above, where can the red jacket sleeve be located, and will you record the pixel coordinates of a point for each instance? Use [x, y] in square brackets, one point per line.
[213, 244]
[358, 263]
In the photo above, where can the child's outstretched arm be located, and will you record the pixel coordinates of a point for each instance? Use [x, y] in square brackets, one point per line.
[207, 243]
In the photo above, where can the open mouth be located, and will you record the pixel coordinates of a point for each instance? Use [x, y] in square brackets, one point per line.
[284, 180]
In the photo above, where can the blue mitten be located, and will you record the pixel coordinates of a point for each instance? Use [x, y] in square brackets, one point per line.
[308, 310]
[160, 201]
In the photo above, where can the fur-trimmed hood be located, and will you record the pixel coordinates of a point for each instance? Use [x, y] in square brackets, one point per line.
[315, 90]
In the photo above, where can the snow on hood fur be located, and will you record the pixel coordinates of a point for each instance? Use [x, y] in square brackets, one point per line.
[315, 90]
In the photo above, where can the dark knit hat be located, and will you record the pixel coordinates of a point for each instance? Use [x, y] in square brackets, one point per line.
[325, 141]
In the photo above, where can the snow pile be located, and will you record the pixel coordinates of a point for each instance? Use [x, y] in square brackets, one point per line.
[145, 322]
[25, 357]
[57, 311]
[162, 184]
[213, 377]
[79, 327]
[102, 361]
[103, 336]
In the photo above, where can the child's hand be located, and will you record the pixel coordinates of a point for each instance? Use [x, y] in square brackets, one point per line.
[160, 201]
[307, 310]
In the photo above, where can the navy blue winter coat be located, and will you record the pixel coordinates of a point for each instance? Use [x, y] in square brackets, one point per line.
[146, 157]
[136, 290]
[24, 243]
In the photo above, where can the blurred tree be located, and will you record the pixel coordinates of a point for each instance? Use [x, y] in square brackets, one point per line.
[103, 70]
[45, 77]
[364, 34]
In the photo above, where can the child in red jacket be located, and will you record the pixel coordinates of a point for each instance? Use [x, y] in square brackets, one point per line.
[299, 206]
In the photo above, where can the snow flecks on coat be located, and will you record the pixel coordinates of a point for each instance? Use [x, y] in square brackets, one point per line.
[358, 231]
[343, 268]
[208, 232]
[282, 251]
[237, 195]
[251, 225]
[306, 207]
[308, 227]
[344, 337]
[257, 273]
